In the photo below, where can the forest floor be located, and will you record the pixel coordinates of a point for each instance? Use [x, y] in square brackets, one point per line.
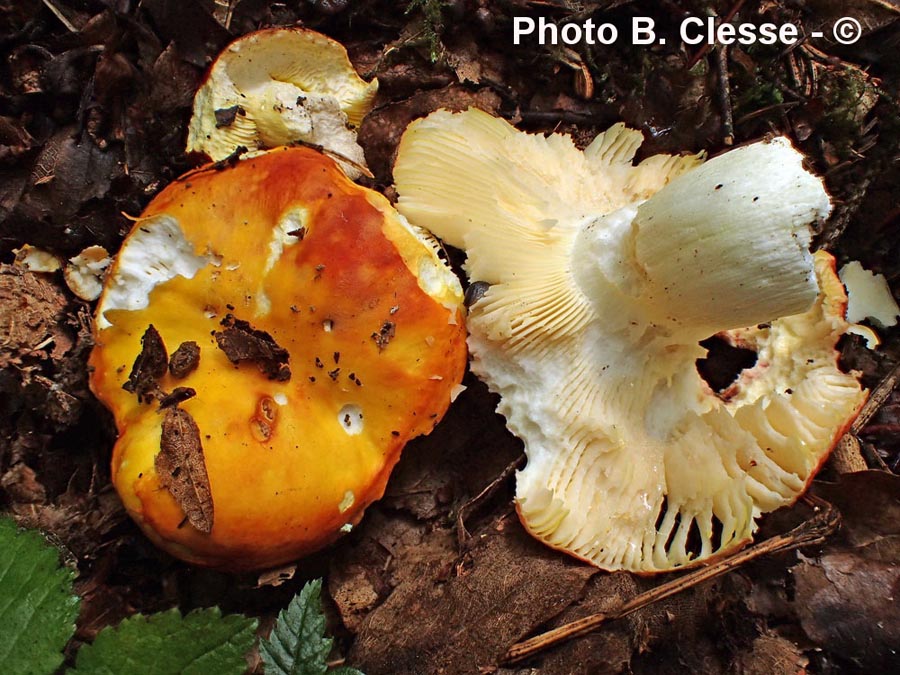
[95, 97]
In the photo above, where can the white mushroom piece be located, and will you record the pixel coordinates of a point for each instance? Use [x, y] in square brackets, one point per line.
[276, 87]
[868, 295]
[604, 278]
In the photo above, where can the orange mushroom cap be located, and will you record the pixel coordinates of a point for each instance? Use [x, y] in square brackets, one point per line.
[368, 314]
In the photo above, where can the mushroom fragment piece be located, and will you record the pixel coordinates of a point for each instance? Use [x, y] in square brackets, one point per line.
[604, 277]
[868, 295]
[35, 259]
[278, 86]
[290, 457]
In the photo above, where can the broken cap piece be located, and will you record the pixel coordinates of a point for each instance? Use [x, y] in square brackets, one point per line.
[36, 259]
[276, 87]
[327, 334]
[84, 272]
[604, 277]
[868, 295]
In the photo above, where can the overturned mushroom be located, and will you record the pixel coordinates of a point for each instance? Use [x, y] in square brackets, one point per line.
[260, 278]
[604, 278]
[279, 86]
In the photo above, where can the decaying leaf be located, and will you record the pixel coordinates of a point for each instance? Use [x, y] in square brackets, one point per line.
[381, 129]
[846, 598]
[241, 342]
[150, 365]
[464, 623]
[182, 468]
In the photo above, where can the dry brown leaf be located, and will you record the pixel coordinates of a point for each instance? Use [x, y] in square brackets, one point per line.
[845, 599]
[382, 128]
[241, 342]
[182, 468]
[150, 365]
[463, 620]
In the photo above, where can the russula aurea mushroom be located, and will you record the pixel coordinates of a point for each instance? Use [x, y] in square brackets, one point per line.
[269, 337]
[278, 86]
[604, 277]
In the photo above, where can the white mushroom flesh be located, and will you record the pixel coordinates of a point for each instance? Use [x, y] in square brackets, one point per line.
[277, 87]
[604, 277]
[868, 295]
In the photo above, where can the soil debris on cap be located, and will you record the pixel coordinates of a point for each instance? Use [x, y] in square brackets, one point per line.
[182, 468]
[384, 334]
[241, 342]
[184, 360]
[179, 395]
[225, 116]
[150, 365]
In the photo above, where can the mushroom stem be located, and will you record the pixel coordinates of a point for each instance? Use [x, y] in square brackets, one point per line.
[722, 247]
[716, 249]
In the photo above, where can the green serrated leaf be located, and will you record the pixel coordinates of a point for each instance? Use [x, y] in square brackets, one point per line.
[202, 643]
[37, 606]
[298, 645]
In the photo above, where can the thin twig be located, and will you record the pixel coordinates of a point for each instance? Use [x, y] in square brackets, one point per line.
[462, 534]
[725, 95]
[817, 54]
[813, 531]
[59, 15]
[884, 4]
[223, 12]
[783, 107]
[553, 117]
[876, 399]
[704, 50]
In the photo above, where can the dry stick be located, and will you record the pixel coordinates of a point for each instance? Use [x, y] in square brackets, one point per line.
[364, 170]
[876, 399]
[828, 59]
[783, 107]
[813, 531]
[223, 12]
[462, 534]
[847, 456]
[704, 50]
[884, 4]
[725, 95]
[59, 15]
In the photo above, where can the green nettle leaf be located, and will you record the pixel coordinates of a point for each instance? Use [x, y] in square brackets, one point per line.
[202, 643]
[298, 645]
[37, 606]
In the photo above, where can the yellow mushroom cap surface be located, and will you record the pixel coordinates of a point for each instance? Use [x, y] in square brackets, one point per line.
[368, 314]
